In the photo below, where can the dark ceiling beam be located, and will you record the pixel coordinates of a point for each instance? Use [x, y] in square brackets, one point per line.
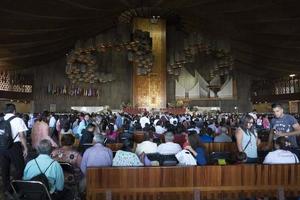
[252, 70]
[278, 54]
[229, 6]
[259, 55]
[263, 45]
[266, 64]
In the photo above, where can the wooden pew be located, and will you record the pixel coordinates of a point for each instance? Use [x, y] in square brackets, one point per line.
[205, 182]
[220, 147]
[226, 147]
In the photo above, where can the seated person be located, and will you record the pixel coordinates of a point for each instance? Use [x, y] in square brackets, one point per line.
[281, 155]
[125, 157]
[146, 146]
[196, 147]
[111, 134]
[67, 153]
[54, 172]
[223, 136]
[206, 135]
[169, 147]
[159, 129]
[97, 155]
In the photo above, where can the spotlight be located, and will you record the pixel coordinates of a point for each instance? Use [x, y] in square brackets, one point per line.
[154, 19]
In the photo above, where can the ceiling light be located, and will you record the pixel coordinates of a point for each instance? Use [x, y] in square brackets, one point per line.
[292, 75]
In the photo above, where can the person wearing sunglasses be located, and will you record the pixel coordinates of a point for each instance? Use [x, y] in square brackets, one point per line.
[246, 138]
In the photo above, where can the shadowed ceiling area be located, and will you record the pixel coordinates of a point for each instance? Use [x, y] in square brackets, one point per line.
[264, 35]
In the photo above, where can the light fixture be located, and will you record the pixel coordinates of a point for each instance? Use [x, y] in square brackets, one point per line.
[292, 75]
[154, 19]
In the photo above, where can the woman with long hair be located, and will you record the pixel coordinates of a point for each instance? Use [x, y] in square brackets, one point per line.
[196, 147]
[246, 138]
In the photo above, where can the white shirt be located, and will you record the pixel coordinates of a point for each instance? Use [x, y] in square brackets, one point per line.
[259, 122]
[155, 121]
[52, 122]
[17, 126]
[160, 130]
[146, 147]
[281, 157]
[168, 148]
[144, 120]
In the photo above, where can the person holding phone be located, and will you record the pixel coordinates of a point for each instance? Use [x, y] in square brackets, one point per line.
[283, 125]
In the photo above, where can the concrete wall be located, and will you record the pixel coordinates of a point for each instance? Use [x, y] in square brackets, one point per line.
[112, 93]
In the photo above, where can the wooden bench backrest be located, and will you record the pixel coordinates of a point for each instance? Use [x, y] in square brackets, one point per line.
[233, 176]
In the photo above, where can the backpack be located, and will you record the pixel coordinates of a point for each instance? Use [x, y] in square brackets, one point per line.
[42, 177]
[6, 139]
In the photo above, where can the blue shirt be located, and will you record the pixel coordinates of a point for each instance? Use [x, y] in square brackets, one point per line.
[285, 125]
[81, 126]
[206, 138]
[96, 156]
[200, 158]
[54, 173]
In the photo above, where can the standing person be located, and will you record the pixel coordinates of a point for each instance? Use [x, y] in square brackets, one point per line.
[16, 152]
[40, 131]
[83, 123]
[246, 138]
[52, 124]
[283, 125]
[266, 122]
[259, 123]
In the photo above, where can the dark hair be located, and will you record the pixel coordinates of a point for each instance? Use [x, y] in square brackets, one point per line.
[67, 140]
[90, 125]
[244, 123]
[283, 143]
[44, 117]
[276, 105]
[195, 141]
[10, 108]
[64, 123]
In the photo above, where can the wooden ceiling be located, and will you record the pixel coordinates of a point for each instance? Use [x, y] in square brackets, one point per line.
[265, 35]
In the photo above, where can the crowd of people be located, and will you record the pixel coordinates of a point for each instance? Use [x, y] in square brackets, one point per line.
[41, 141]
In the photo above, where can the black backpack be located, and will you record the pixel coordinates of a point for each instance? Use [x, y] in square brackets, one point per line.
[6, 139]
[42, 177]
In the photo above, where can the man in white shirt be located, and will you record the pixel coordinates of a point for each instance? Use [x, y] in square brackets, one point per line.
[169, 147]
[16, 153]
[159, 129]
[52, 124]
[146, 146]
[144, 120]
[282, 155]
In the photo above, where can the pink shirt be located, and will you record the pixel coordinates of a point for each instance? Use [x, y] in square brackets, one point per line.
[40, 131]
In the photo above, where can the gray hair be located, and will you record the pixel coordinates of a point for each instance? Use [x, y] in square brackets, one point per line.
[99, 138]
[169, 137]
[44, 147]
